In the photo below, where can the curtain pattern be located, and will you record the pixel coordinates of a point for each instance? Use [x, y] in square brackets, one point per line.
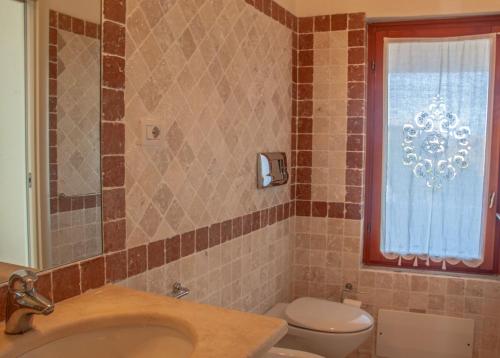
[436, 140]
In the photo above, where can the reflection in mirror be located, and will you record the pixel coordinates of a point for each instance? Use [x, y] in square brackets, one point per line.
[50, 144]
[74, 156]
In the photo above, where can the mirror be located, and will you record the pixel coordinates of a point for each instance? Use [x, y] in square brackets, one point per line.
[50, 184]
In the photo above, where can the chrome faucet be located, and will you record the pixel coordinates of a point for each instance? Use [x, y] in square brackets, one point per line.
[179, 291]
[23, 302]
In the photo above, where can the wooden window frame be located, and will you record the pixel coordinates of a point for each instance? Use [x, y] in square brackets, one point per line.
[465, 26]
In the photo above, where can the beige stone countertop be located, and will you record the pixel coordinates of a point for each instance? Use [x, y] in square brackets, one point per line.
[216, 332]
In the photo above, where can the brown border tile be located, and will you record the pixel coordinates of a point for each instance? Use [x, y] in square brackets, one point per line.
[66, 282]
[92, 273]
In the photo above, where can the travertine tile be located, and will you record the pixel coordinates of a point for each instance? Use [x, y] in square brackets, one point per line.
[215, 94]
[78, 101]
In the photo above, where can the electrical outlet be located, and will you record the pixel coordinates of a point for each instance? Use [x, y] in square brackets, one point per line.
[152, 132]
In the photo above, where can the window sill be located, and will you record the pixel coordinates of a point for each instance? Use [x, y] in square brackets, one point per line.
[429, 272]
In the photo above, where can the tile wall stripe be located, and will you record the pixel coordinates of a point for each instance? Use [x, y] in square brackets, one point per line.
[118, 262]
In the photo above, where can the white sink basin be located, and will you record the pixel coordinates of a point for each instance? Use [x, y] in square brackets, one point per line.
[117, 337]
[146, 341]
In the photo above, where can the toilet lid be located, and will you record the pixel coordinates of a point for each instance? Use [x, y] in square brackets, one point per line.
[327, 316]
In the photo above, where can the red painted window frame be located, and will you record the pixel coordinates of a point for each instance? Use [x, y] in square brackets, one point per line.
[374, 136]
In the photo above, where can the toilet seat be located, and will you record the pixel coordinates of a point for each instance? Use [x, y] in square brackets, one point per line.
[326, 316]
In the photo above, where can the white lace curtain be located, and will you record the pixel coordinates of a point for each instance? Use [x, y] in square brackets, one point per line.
[436, 140]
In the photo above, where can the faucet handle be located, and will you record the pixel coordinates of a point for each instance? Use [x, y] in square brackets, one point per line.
[178, 291]
[22, 281]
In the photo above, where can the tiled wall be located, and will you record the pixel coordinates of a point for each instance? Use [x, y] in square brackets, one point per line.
[328, 229]
[250, 272]
[75, 235]
[330, 114]
[74, 83]
[234, 94]
[328, 254]
[239, 254]
[69, 281]
[74, 96]
[78, 109]
[217, 77]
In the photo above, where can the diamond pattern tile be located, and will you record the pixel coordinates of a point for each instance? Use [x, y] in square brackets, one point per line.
[78, 93]
[217, 73]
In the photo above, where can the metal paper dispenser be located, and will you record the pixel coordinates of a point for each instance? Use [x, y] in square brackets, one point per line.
[271, 169]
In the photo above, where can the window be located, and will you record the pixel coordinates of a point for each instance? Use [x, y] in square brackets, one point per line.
[433, 134]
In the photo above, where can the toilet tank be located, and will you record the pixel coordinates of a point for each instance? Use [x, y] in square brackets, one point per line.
[417, 335]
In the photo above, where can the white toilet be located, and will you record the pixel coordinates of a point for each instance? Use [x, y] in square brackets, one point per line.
[323, 327]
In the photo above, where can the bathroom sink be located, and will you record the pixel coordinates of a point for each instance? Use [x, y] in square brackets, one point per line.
[115, 321]
[147, 341]
[138, 336]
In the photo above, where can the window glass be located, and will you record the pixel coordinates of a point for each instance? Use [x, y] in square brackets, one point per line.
[435, 145]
